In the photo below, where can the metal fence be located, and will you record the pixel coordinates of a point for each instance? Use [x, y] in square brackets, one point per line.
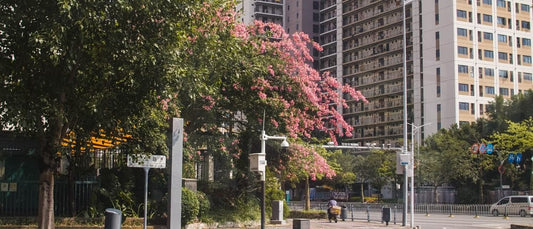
[373, 212]
[24, 200]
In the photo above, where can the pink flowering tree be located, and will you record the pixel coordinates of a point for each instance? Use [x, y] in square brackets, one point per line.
[305, 162]
[232, 78]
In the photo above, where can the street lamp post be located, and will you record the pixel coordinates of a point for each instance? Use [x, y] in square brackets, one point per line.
[405, 109]
[262, 171]
[414, 128]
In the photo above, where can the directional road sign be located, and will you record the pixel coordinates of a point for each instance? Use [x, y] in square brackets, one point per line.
[511, 158]
[490, 148]
[518, 158]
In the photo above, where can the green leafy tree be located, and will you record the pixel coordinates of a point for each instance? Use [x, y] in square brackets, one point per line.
[343, 163]
[518, 138]
[377, 169]
[76, 69]
[447, 157]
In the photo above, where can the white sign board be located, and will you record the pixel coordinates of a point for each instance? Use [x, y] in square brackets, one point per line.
[144, 161]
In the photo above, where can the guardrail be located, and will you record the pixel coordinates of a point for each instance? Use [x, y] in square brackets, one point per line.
[373, 212]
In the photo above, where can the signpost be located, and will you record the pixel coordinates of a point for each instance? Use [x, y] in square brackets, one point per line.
[147, 162]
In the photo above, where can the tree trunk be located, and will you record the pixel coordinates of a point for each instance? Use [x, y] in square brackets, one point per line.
[307, 197]
[362, 192]
[46, 199]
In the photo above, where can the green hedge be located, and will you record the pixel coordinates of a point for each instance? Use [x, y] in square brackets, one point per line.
[313, 214]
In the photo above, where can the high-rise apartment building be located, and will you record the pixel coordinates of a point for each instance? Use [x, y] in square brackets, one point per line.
[263, 10]
[363, 47]
[304, 16]
[472, 50]
[460, 54]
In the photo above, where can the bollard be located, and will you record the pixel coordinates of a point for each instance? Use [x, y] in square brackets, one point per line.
[113, 218]
[367, 214]
[351, 209]
[427, 210]
[451, 215]
[505, 215]
[475, 211]
[395, 214]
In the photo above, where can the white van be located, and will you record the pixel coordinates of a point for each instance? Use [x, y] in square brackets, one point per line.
[513, 205]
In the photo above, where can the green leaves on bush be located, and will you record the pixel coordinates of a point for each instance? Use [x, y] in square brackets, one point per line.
[190, 206]
[194, 205]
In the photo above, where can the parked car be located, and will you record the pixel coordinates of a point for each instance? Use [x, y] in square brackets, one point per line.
[513, 205]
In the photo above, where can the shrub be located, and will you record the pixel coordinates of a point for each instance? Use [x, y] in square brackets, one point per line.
[204, 205]
[190, 206]
[313, 214]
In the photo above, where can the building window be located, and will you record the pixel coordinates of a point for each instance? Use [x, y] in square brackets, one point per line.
[461, 14]
[463, 106]
[488, 54]
[488, 36]
[489, 90]
[487, 2]
[487, 18]
[462, 32]
[501, 21]
[502, 38]
[500, 3]
[462, 69]
[504, 91]
[462, 50]
[527, 59]
[463, 87]
[503, 74]
[315, 5]
[502, 56]
[489, 72]
[526, 41]
[524, 7]
[527, 76]
[525, 24]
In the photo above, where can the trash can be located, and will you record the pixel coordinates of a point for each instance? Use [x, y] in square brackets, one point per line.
[344, 213]
[113, 218]
[385, 216]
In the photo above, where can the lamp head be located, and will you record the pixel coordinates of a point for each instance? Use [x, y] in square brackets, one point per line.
[285, 143]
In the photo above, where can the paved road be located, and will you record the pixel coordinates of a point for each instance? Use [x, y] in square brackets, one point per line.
[425, 222]
[466, 221]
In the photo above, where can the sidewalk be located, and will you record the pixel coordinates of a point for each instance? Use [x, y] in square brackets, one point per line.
[324, 224]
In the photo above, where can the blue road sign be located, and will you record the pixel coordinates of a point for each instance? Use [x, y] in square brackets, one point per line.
[490, 148]
[518, 158]
[482, 148]
[511, 158]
